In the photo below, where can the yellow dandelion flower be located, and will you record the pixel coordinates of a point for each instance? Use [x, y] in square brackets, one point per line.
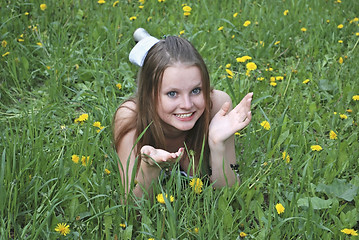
[277, 42]
[228, 65]
[187, 8]
[272, 79]
[230, 73]
[43, 6]
[20, 40]
[119, 86]
[328, 21]
[341, 60]
[39, 44]
[251, 66]
[220, 28]
[235, 15]
[340, 26]
[286, 157]
[340, 41]
[243, 59]
[115, 3]
[350, 231]
[97, 124]
[107, 171]
[3, 43]
[285, 13]
[357, 34]
[75, 158]
[279, 207]
[246, 23]
[279, 78]
[306, 81]
[161, 0]
[196, 184]
[99, 129]
[181, 32]
[101, 1]
[82, 118]
[196, 230]
[48, 67]
[355, 97]
[260, 78]
[316, 148]
[273, 84]
[332, 135]
[237, 134]
[242, 234]
[5, 54]
[133, 18]
[85, 160]
[160, 198]
[349, 110]
[265, 125]
[187, 13]
[26, 13]
[63, 228]
[141, 1]
[343, 116]
[303, 29]
[122, 225]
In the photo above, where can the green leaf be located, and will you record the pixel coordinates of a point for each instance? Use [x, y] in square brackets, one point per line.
[340, 189]
[315, 202]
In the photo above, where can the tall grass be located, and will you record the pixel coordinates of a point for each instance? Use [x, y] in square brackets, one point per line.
[66, 60]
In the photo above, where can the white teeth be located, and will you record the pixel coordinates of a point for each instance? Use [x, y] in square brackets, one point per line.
[184, 115]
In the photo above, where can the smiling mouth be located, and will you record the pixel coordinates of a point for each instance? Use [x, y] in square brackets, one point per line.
[187, 115]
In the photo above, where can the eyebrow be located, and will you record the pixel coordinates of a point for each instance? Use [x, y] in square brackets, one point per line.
[177, 89]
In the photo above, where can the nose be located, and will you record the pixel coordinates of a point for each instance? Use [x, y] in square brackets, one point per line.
[186, 102]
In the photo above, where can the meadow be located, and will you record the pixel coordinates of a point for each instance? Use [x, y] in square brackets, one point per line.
[64, 70]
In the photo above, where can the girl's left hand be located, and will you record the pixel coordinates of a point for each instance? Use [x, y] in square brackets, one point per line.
[224, 124]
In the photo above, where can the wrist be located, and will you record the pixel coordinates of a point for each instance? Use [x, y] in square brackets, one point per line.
[215, 144]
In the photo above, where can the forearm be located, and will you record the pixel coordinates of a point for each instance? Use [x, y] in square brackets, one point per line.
[222, 155]
[146, 175]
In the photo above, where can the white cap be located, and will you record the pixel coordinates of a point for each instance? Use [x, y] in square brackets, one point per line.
[140, 50]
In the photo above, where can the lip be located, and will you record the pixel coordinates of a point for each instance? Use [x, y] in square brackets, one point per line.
[185, 116]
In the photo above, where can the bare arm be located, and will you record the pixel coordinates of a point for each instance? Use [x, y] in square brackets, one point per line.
[151, 159]
[221, 136]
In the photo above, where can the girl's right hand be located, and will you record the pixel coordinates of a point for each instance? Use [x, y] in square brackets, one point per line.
[159, 157]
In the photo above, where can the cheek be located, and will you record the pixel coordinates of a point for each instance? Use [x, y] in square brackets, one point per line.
[200, 103]
[164, 106]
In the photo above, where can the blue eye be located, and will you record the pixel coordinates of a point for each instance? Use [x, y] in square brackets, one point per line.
[196, 91]
[172, 94]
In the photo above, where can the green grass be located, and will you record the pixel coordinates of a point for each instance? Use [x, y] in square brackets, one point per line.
[84, 54]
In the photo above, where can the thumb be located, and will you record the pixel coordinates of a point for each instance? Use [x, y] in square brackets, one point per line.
[224, 109]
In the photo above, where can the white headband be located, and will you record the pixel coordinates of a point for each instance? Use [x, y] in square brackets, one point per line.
[140, 50]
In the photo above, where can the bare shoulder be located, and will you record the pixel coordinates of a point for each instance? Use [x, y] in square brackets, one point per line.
[218, 98]
[124, 116]
[125, 112]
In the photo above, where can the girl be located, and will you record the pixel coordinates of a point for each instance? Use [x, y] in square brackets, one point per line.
[175, 108]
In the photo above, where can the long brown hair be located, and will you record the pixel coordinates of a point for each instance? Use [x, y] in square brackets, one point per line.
[162, 55]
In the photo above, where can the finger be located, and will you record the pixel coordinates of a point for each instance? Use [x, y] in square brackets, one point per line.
[224, 109]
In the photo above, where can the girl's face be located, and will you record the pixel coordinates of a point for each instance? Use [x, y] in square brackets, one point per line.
[181, 102]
